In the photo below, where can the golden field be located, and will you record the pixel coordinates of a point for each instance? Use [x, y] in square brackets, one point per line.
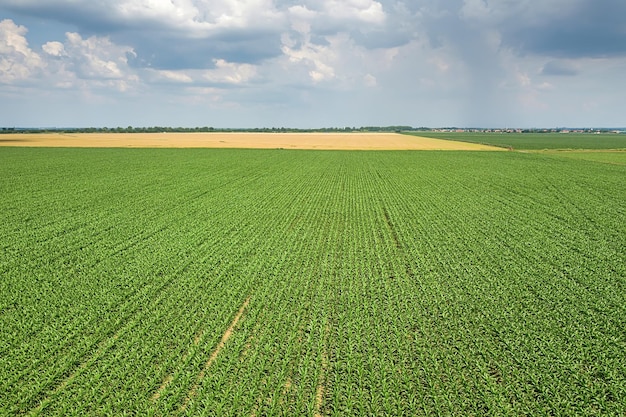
[316, 140]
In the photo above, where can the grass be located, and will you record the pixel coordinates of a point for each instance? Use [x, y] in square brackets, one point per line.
[536, 141]
[269, 282]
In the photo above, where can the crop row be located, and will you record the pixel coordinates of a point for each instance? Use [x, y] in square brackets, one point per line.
[242, 282]
[535, 140]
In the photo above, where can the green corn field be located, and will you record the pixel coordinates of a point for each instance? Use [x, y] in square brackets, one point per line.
[323, 283]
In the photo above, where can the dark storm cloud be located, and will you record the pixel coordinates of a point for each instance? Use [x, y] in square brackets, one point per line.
[559, 68]
[552, 28]
[89, 18]
[581, 28]
[173, 53]
[382, 39]
[444, 26]
[587, 29]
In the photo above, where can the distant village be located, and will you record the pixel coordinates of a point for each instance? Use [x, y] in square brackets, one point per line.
[553, 130]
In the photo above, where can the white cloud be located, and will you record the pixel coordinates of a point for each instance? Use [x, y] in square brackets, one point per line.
[369, 80]
[54, 48]
[368, 11]
[176, 10]
[17, 60]
[230, 73]
[235, 30]
[317, 58]
[94, 62]
[173, 76]
[337, 15]
[335, 60]
[97, 57]
[302, 12]
[191, 17]
[197, 18]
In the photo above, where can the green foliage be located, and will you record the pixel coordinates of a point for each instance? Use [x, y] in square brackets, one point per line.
[608, 157]
[379, 283]
[536, 141]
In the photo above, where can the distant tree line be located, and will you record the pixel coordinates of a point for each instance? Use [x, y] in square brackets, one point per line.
[161, 129]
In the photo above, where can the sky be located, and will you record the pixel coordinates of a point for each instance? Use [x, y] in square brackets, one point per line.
[312, 63]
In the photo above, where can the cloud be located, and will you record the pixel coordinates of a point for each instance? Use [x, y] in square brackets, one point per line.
[77, 62]
[198, 18]
[161, 52]
[567, 29]
[474, 10]
[17, 61]
[174, 34]
[369, 80]
[190, 18]
[317, 58]
[230, 73]
[188, 34]
[97, 57]
[559, 68]
[367, 11]
[171, 76]
[336, 61]
[550, 28]
[468, 61]
[54, 48]
[370, 24]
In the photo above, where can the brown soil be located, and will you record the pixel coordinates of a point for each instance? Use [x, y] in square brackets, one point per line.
[227, 334]
[320, 390]
[164, 385]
